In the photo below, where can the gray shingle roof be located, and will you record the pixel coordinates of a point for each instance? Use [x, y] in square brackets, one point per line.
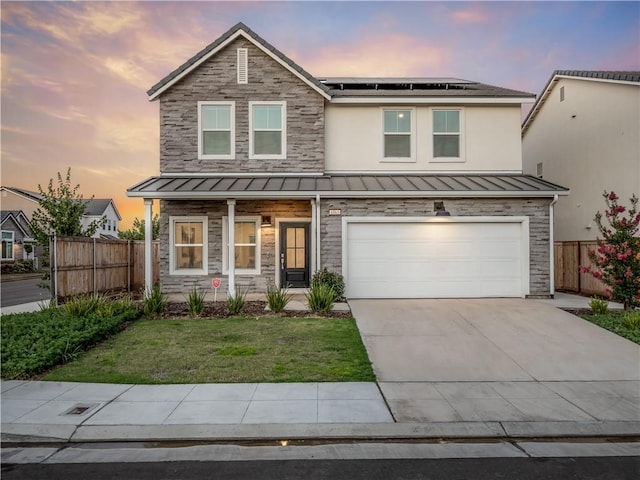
[403, 185]
[26, 193]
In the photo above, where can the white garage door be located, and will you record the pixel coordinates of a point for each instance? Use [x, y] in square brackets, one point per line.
[448, 259]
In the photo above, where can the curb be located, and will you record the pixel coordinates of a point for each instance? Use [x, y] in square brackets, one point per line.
[13, 434]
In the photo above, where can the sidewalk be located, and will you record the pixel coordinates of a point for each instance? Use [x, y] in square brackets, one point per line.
[78, 412]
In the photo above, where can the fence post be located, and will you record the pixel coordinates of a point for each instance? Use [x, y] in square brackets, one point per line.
[53, 268]
[129, 266]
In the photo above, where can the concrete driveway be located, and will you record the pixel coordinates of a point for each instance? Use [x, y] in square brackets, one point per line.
[488, 340]
[514, 361]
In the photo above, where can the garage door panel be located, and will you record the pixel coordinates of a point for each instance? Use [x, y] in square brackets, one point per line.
[432, 259]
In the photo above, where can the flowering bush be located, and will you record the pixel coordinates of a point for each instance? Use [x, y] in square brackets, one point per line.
[617, 258]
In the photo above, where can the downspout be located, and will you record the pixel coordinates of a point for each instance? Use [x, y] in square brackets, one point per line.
[317, 232]
[552, 268]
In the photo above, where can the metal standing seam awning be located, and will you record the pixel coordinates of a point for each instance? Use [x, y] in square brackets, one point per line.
[341, 186]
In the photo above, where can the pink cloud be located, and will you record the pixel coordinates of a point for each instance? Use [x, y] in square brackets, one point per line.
[473, 14]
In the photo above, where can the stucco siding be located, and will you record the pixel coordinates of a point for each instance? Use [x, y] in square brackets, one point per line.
[589, 142]
[490, 140]
[216, 80]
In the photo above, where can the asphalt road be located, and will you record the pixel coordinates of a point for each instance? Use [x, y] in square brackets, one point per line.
[17, 292]
[583, 468]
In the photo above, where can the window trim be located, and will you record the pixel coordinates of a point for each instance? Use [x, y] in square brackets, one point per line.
[232, 131]
[13, 242]
[225, 245]
[412, 134]
[283, 112]
[205, 246]
[461, 136]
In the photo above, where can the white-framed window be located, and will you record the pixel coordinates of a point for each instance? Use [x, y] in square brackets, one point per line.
[216, 130]
[398, 134]
[7, 245]
[448, 142]
[188, 245]
[268, 130]
[247, 245]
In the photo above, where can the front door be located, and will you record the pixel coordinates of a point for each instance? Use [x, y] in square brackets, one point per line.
[294, 255]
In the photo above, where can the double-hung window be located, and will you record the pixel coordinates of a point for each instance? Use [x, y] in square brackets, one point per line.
[447, 134]
[188, 245]
[216, 130]
[246, 245]
[268, 130]
[398, 135]
[7, 245]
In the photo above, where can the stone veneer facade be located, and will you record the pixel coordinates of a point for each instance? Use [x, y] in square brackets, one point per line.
[216, 80]
[537, 209]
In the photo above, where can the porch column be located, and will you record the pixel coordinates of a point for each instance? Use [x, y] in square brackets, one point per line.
[231, 255]
[313, 236]
[148, 242]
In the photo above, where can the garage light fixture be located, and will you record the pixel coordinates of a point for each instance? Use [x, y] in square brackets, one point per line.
[440, 210]
[266, 221]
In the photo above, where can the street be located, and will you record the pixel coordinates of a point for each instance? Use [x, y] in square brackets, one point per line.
[17, 292]
[584, 468]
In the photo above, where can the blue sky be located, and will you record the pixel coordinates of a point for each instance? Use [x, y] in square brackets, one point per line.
[74, 75]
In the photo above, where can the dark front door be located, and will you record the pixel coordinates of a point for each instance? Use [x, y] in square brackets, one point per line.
[294, 255]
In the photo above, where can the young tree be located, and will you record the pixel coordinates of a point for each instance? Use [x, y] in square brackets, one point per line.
[60, 212]
[617, 258]
[137, 231]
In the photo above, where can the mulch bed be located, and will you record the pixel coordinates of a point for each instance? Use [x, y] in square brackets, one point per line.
[253, 309]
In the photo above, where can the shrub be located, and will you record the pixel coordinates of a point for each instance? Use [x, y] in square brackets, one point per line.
[321, 298]
[195, 302]
[599, 306]
[83, 305]
[277, 298]
[235, 303]
[617, 259]
[154, 302]
[23, 266]
[632, 320]
[331, 279]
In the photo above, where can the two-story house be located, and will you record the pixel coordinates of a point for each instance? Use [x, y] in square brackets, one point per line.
[584, 132]
[409, 187]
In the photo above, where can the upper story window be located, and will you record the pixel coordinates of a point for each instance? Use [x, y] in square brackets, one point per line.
[216, 127]
[7, 245]
[447, 134]
[188, 245]
[268, 130]
[246, 245]
[398, 135]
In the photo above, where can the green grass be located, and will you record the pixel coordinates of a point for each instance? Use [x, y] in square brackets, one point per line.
[614, 321]
[232, 350]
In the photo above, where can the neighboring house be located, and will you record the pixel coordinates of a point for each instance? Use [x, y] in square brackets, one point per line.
[17, 240]
[408, 187]
[104, 211]
[19, 199]
[584, 132]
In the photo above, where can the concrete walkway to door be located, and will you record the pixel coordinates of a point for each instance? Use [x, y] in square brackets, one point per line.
[497, 359]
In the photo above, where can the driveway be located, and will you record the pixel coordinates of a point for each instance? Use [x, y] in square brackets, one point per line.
[488, 340]
[523, 363]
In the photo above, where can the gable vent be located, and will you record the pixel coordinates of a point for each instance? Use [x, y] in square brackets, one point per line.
[243, 69]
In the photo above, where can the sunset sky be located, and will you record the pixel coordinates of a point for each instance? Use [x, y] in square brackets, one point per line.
[74, 75]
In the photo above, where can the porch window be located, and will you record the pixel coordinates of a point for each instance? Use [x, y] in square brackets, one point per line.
[398, 133]
[267, 124]
[216, 126]
[7, 245]
[188, 240]
[246, 247]
[447, 133]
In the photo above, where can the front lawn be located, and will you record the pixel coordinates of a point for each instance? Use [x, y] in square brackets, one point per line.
[219, 350]
[614, 321]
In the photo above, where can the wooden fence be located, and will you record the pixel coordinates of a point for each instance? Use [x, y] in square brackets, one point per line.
[81, 265]
[569, 256]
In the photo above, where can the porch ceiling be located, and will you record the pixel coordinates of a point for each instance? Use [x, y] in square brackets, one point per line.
[285, 186]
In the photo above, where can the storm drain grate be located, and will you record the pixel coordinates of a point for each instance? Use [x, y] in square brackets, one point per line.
[81, 408]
